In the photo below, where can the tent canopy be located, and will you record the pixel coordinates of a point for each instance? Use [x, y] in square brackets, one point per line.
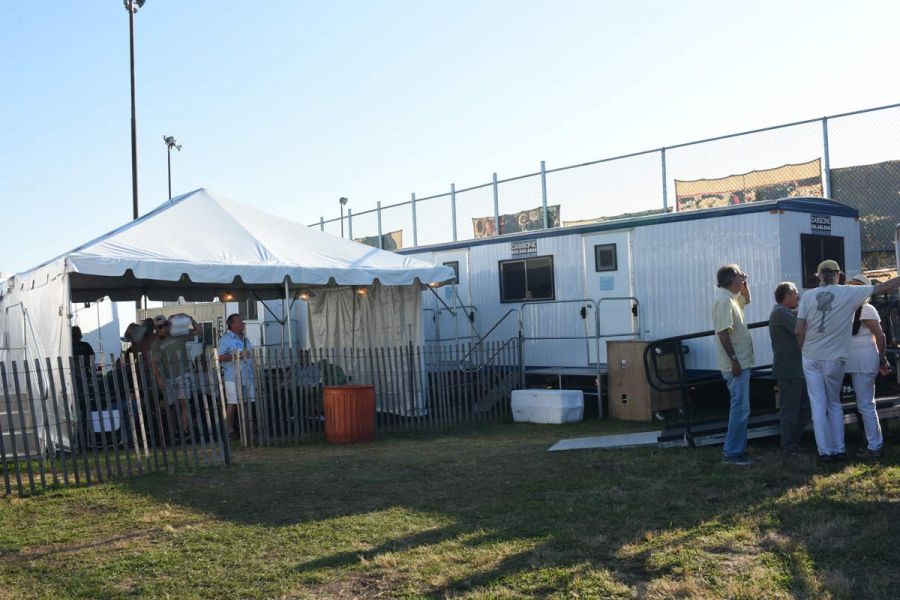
[201, 245]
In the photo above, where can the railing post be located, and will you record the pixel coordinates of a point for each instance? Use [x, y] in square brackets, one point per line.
[453, 208]
[350, 223]
[544, 194]
[521, 353]
[415, 228]
[826, 161]
[496, 207]
[380, 241]
[665, 189]
[321, 223]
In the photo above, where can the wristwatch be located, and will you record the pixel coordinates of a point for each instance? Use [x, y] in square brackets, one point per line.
[733, 357]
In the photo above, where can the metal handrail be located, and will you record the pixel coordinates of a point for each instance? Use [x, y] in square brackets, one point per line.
[674, 346]
[433, 320]
[635, 312]
[481, 340]
[491, 357]
[597, 336]
[464, 308]
[525, 305]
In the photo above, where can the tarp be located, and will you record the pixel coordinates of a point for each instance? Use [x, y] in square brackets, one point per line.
[199, 246]
[196, 246]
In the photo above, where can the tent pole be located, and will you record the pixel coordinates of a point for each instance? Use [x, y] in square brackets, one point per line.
[287, 317]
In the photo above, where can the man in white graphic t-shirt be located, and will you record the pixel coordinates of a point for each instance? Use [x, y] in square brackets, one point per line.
[824, 324]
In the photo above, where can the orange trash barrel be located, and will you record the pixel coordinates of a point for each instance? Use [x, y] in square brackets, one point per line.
[349, 413]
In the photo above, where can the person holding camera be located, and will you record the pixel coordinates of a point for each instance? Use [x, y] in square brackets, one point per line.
[867, 358]
[734, 351]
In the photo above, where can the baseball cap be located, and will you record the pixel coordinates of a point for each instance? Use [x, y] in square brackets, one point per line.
[159, 320]
[828, 265]
[861, 279]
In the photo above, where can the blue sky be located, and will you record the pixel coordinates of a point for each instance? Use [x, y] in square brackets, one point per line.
[288, 105]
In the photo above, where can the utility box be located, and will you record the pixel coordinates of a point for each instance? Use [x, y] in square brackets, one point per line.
[547, 406]
[630, 397]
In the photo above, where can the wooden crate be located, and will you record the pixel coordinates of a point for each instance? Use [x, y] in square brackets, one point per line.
[630, 396]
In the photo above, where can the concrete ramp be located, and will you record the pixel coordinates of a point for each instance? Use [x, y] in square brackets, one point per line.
[625, 440]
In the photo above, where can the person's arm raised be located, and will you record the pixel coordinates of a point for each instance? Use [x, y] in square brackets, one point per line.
[890, 284]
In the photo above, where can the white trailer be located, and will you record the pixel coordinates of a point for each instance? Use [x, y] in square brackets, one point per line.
[567, 291]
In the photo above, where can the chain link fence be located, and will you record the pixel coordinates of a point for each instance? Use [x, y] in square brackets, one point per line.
[853, 158]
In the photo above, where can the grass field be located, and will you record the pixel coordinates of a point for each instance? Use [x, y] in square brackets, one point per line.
[483, 513]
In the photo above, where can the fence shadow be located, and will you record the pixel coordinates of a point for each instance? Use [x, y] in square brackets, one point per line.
[615, 511]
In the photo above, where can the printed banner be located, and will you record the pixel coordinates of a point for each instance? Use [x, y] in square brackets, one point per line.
[392, 240]
[527, 220]
[630, 215]
[874, 191]
[770, 184]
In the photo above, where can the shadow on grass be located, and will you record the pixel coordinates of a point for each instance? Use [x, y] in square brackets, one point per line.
[507, 508]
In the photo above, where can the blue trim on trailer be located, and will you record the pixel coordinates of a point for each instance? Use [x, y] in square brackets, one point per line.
[799, 205]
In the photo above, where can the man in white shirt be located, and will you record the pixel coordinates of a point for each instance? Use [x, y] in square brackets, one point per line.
[824, 324]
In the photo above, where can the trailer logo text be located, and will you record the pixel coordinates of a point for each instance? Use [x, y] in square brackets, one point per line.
[820, 224]
[524, 248]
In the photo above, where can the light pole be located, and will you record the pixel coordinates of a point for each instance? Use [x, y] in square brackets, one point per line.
[170, 143]
[343, 201]
[132, 7]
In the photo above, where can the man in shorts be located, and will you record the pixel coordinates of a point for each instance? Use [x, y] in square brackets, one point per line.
[235, 347]
[175, 370]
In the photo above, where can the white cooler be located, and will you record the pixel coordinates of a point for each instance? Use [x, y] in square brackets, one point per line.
[547, 406]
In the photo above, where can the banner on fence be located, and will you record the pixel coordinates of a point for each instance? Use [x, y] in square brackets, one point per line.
[873, 190]
[786, 181]
[526, 220]
[392, 240]
[629, 215]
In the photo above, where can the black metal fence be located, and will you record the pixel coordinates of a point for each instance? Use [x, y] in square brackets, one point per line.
[80, 422]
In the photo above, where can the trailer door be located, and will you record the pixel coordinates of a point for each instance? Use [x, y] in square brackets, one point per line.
[456, 297]
[608, 281]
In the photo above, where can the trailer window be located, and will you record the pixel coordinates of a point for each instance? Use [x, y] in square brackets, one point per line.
[454, 264]
[526, 279]
[605, 257]
[249, 310]
[816, 248]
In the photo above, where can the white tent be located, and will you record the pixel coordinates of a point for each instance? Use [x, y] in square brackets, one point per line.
[199, 246]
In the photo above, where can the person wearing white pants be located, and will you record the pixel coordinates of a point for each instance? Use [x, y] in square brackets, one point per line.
[867, 357]
[823, 383]
[823, 331]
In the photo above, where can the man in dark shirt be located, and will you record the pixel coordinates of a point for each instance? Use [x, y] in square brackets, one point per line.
[80, 348]
[787, 367]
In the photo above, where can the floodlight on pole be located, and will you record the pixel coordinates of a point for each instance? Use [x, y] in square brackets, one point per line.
[132, 7]
[171, 142]
[343, 202]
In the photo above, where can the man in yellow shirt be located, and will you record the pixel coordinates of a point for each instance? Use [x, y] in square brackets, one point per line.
[734, 351]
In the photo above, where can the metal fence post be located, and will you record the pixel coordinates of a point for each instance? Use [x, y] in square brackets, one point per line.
[415, 229]
[350, 223]
[826, 161]
[496, 207]
[664, 188]
[544, 193]
[321, 223]
[453, 208]
[378, 209]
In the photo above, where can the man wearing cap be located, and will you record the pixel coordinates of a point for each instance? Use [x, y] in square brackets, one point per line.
[824, 327]
[735, 357]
